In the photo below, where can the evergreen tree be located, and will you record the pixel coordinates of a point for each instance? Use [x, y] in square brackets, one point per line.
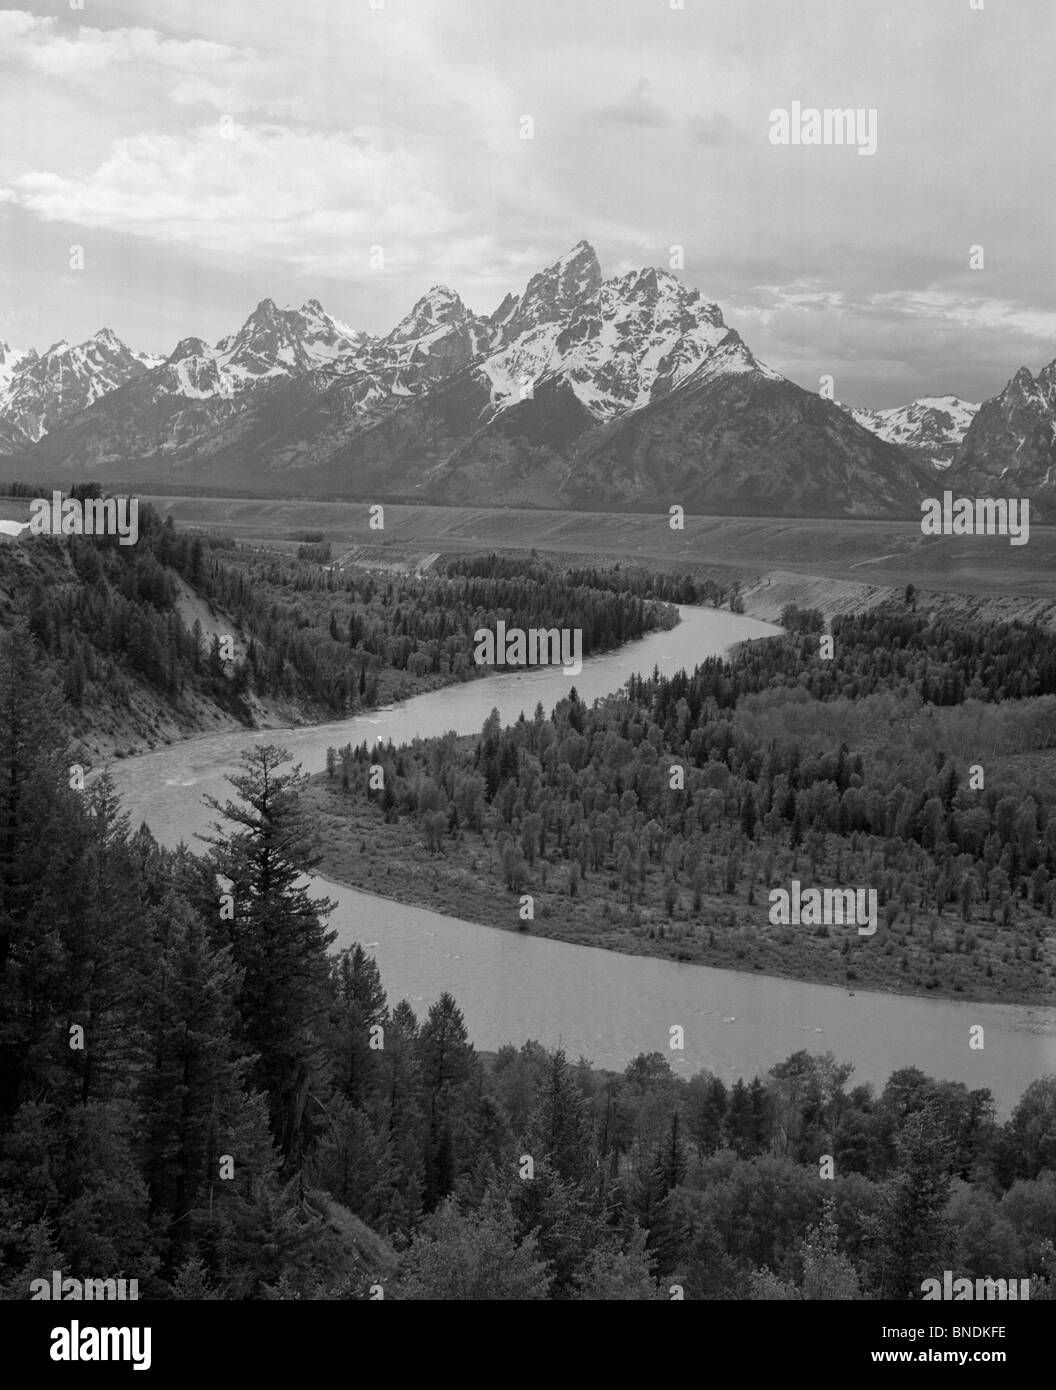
[192, 1088]
[40, 819]
[910, 1231]
[739, 1122]
[402, 1114]
[706, 1102]
[358, 1007]
[75, 1166]
[105, 950]
[448, 1065]
[561, 1133]
[277, 936]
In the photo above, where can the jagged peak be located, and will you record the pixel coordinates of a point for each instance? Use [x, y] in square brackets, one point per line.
[554, 291]
[581, 255]
[438, 306]
[733, 349]
[505, 309]
[581, 251]
[442, 294]
[316, 317]
[189, 347]
[266, 313]
[653, 273]
[657, 278]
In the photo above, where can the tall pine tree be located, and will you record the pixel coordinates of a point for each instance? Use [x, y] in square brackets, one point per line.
[277, 936]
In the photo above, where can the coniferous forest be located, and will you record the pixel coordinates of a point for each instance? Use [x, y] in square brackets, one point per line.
[195, 1092]
[658, 820]
[136, 635]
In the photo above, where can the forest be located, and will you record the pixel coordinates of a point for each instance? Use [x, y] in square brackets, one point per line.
[337, 630]
[319, 641]
[197, 1093]
[658, 820]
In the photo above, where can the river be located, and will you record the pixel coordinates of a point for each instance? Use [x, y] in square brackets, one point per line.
[599, 1004]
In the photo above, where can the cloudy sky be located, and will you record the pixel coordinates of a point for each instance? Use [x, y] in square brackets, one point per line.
[206, 155]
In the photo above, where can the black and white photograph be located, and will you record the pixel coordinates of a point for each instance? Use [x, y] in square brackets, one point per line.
[527, 673]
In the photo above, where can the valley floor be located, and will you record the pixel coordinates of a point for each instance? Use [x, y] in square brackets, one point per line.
[973, 573]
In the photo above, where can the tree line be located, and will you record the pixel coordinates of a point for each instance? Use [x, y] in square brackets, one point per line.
[942, 659]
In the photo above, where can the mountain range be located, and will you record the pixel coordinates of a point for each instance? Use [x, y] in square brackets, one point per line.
[931, 428]
[628, 392]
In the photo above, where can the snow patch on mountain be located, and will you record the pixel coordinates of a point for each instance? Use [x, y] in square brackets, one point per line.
[43, 390]
[933, 426]
[11, 362]
[271, 344]
[628, 341]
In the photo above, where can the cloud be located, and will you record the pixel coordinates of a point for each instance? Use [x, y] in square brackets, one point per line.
[999, 315]
[39, 44]
[16, 25]
[942, 306]
[714, 129]
[889, 347]
[637, 108]
[309, 197]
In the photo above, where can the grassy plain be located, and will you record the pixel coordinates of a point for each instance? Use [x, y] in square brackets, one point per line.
[873, 554]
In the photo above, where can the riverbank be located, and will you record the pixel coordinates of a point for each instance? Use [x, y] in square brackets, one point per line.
[146, 727]
[465, 880]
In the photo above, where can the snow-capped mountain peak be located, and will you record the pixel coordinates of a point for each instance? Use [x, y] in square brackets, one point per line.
[931, 426]
[1045, 381]
[12, 360]
[42, 391]
[325, 338]
[620, 345]
[554, 292]
[276, 342]
[1033, 392]
[438, 307]
[189, 347]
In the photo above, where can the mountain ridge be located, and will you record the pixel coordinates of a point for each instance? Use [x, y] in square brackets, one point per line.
[932, 427]
[578, 391]
[1014, 433]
